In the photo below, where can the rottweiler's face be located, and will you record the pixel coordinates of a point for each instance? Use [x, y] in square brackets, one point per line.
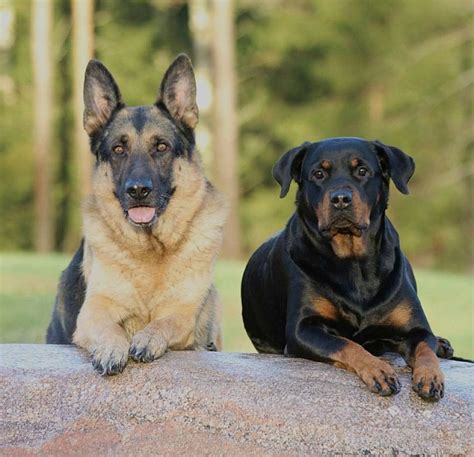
[343, 186]
[140, 144]
[341, 182]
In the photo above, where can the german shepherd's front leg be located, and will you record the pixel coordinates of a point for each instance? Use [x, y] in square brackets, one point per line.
[99, 332]
[313, 342]
[173, 332]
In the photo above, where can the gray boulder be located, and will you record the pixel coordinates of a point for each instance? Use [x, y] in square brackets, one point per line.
[204, 403]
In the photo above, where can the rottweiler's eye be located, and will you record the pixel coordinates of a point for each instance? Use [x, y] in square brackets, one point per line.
[362, 171]
[162, 147]
[119, 149]
[318, 174]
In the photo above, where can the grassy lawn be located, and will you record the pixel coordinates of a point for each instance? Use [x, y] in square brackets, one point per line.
[28, 284]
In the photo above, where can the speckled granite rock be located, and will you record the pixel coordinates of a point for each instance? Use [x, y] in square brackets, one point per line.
[52, 403]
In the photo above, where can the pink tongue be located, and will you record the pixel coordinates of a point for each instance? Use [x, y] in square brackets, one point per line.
[141, 214]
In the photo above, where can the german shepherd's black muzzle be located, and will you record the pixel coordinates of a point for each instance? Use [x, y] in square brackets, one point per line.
[143, 191]
[139, 195]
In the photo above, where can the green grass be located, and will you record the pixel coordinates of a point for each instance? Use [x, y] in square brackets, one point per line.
[28, 284]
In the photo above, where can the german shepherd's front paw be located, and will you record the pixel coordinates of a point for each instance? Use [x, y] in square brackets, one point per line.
[147, 345]
[380, 378]
[428, 382]
[110, 358]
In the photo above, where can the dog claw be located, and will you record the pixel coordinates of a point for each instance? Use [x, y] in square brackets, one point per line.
[377, 386]
[211, 347]
[147, 347]
[109, 368]
[435, 392]
[141, 355]
[380, 378]
[395, 386]
[109, 361]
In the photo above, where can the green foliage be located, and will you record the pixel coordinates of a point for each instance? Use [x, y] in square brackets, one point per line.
[16, 182]
[393, 70]
[28, 286]
[400, 71]
[138, 40]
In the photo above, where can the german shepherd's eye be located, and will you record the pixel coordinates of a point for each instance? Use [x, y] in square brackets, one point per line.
[162, 147]
[362, 171]
[319, 174]
[119, 149]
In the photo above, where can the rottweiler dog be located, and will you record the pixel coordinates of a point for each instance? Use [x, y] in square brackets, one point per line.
[334, 285]
[141, 281]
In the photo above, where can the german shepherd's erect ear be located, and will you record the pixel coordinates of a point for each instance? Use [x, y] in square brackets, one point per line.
[101, 97]
[178, 92]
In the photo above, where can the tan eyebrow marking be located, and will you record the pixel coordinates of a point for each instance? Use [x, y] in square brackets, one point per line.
[326, 165]
[355, 162]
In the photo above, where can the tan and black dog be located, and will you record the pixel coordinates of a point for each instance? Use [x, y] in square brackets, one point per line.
[334, 285]
[142, 279]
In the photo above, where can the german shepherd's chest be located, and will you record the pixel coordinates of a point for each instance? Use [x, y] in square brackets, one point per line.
[147, 285]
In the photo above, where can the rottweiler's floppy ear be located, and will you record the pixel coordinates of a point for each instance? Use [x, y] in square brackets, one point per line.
[101, 96]
[178, 92]
[288, 167]
[396, 164]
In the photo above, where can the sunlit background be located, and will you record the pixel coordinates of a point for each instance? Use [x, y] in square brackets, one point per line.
[271, 74]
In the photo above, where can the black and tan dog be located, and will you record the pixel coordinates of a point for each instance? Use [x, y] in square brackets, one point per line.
[334, 285]
[142, 279]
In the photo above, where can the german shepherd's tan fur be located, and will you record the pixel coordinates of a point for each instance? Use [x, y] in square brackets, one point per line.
[148, 289]
[153, 287]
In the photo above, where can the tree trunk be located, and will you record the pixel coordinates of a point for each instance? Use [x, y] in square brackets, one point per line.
[43, 101]
[200, 24]
[376, 102]
[225, 120]
[467, 156]
[82, 52]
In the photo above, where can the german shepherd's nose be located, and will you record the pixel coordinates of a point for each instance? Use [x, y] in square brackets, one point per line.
[139, 190]
[341, 198]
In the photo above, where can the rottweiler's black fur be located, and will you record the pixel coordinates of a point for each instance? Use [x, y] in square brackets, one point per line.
[334, 285]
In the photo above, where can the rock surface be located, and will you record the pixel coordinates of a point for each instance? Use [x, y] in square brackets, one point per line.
[188, 403]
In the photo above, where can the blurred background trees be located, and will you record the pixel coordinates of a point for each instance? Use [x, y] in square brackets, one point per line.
[399, 71]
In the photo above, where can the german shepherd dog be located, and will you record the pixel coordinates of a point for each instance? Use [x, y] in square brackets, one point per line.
[334, 285]
[142, 279]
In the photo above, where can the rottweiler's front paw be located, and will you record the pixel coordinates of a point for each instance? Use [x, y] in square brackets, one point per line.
[428, 383]
[110, 359]
[444, 349]
[380, 378]
[147, 346]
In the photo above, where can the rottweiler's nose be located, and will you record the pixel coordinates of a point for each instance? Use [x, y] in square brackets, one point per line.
[139, 190]
[341, 198]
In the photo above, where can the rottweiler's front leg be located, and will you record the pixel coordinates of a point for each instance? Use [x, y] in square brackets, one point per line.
[444, 349]
[313, 342]
[428, 378]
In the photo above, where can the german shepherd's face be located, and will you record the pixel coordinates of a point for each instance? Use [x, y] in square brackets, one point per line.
[140, 144]
[343, 183]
